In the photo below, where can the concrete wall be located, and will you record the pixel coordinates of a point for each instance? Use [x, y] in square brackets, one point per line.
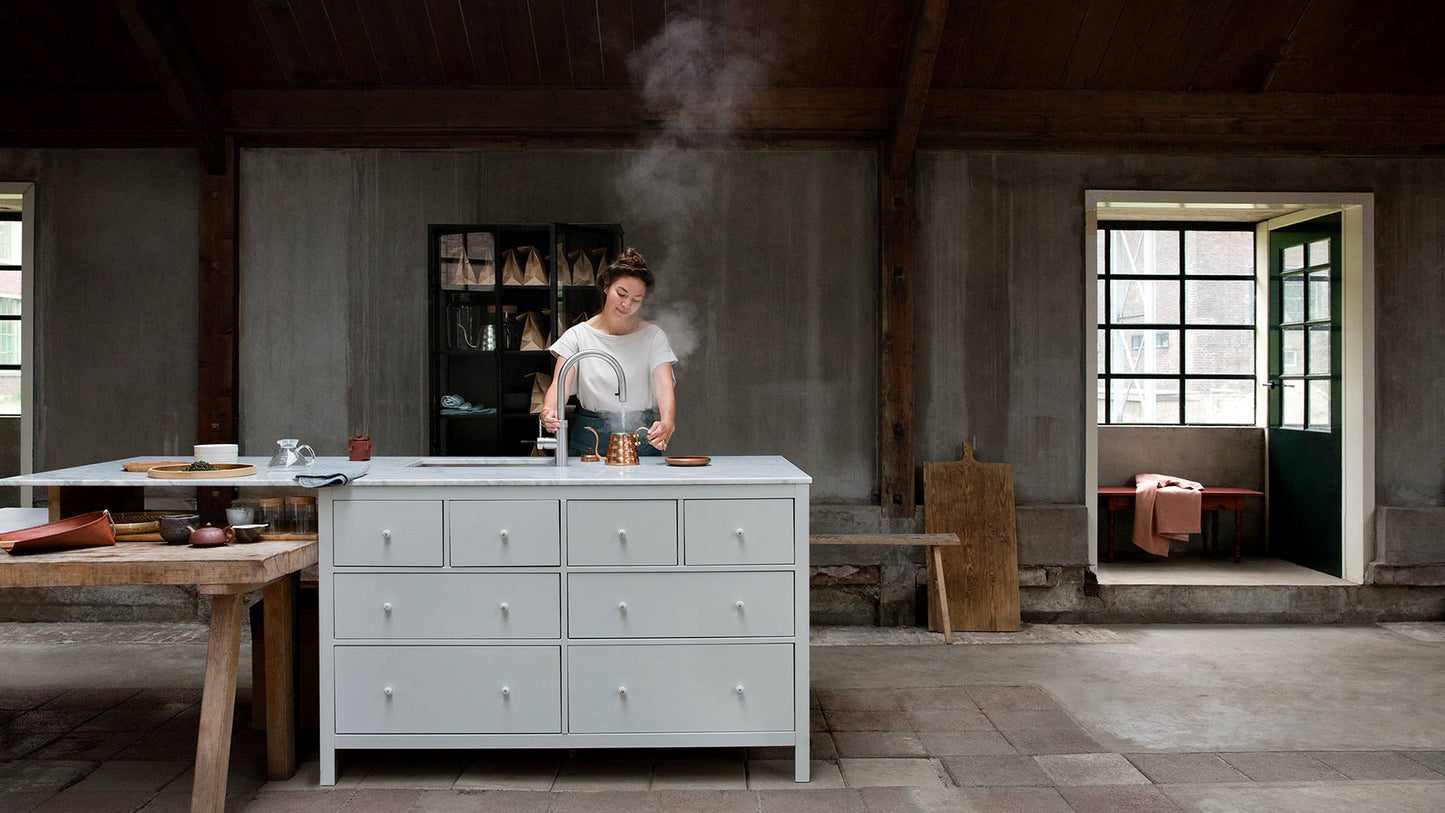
[9, 458]
[772, 266]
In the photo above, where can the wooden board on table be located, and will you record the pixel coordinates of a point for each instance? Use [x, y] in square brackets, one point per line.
[976, 501]
[177, 471]
[147, 465]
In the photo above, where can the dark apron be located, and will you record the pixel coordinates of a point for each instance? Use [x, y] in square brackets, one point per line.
[579, 440]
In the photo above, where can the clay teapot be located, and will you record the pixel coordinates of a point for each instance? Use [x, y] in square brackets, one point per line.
[209, 536]
[622, 447]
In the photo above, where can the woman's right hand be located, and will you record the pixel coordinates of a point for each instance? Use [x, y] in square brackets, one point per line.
[549, 419]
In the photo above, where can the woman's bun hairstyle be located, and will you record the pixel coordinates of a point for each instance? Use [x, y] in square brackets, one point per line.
[627, 264]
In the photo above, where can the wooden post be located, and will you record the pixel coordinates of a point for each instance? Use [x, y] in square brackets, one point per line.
[895, 454]
[277, 603]
[219, 308]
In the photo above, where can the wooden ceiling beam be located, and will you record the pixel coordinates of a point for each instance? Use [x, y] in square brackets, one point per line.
[913, 86]
[179, 77]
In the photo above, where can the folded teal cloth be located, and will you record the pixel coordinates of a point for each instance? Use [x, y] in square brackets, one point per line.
[333, 475]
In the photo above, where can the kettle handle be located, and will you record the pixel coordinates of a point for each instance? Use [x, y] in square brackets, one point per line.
[639, 435]
[307, 453]
[596, 439]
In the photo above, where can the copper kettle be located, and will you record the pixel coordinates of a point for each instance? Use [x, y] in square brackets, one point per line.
[622, 447]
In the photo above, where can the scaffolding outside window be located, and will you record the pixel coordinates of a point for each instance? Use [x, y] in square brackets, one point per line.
[1176, 324]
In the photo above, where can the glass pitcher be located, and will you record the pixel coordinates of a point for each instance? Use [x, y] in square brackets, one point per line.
[291, 456]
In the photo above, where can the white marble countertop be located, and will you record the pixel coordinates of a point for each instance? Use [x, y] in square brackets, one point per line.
[400, 471]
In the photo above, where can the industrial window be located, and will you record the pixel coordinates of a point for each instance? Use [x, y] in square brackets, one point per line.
[1176, 323]
[10, 231]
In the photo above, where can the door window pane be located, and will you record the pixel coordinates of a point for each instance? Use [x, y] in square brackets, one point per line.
[1144, 252]
[1219, 252]
[1219, 302]
[1099, 316]
[1292, 403]
[1294, 258]
[1150, 301]
[1145, 351]
[1144, 400]
[1318, 253]
[1292, 351]
[1103, 334]
[1319, 361]
[1319, 405]
[1215, 401]
[1220, 352]
[1320, 295]
[1293, 299]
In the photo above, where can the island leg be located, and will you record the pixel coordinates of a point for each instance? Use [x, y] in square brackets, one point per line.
[277, 604]
[218, 698]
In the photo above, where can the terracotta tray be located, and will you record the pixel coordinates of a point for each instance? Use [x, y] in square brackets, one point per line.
[176, 471]
[82, 531]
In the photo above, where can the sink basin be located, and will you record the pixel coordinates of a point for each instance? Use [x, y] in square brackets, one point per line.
[478, 462]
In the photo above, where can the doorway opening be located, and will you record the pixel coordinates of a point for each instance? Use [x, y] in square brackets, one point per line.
[17, 251]
[1234, 346]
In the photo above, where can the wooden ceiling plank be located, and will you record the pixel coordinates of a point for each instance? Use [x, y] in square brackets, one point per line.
[417, 42]
[286, 42]
[352, 41]
[384, 38]
[614, 35]
[981, 59]
[231, 41]
[1039, 38]
[103, 47]
[449, 34]
[1189, 51]
[485, 41]
[1248, 45]
[1346, 62]
[1418, 60]
[1101, 17]
[1128, 36]
[520, 49]
[648, 19]
[169, 56]
[913, 85]
[318, 37]
[584, 44]
[549, 32]
[24, 61]
[1149, 68]
[961, 26]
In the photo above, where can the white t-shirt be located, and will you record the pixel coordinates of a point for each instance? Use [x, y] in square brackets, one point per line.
[639, 353]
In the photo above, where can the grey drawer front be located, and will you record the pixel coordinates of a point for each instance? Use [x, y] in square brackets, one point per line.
[447, 605]
[387, 532]
[690, 687]
[679, 605]
[737, 532]
[448, 689]
[622, 532]
[504, 533]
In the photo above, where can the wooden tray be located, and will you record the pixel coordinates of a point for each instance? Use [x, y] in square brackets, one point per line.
[147, 465]
[175, 471]
[687, 460]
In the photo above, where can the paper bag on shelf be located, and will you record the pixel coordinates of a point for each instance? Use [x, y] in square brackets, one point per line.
[582, 270]
[523, 266]
[452, 255]
[598, 256]
[535, 330]
[481, 259]
[540, 383]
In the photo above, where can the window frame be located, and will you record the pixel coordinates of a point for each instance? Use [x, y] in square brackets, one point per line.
[1104, 274]
[12, 317]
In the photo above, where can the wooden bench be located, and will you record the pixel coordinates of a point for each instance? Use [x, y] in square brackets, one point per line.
[931, 544]
[1214, 498]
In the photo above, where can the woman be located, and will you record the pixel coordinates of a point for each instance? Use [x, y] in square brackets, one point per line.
[642, 349]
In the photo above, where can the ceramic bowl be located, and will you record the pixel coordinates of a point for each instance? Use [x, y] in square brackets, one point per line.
[173, 527]
[249, 533]
[216, 452]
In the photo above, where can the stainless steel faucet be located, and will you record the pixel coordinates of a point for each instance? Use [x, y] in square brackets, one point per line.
[559, 443]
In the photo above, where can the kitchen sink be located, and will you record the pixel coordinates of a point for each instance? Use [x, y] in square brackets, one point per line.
[478, 462]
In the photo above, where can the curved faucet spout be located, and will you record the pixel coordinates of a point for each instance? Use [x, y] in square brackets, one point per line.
[562, 393]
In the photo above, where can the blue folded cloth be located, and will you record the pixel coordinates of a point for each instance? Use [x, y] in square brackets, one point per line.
[338, 475]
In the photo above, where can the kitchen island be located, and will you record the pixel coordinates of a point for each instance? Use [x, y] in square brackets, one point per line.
[588, 606]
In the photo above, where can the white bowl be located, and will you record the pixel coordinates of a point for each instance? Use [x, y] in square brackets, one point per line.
[217, 452]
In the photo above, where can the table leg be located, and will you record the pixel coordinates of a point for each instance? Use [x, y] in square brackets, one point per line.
[218, 699]
[1238, 531]
[942, 594]
[277, 604]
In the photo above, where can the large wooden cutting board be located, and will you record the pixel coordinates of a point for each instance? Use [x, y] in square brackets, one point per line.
[976, 501]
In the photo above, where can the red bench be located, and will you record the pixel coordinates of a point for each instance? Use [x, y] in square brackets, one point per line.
[1215, 498]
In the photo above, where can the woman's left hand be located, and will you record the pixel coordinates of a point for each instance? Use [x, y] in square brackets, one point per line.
[659, 434]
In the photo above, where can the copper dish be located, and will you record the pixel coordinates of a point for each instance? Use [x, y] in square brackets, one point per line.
[90, 530]
[684, 460]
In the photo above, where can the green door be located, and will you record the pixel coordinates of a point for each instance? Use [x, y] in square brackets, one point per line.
[1305, 515]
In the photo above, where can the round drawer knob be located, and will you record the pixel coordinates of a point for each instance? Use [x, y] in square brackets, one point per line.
[739, 532]
[622, 535]
[739, 690]
[739, 605]
[386, 691]
[386, 607]
[505, 606]
[386, 535]
[621, 606]
[506, 691]
[505, 535]
[622, 691]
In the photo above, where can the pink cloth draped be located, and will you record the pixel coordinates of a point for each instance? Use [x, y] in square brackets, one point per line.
[1165, 508]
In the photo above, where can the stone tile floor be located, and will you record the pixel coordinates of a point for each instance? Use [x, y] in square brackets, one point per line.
[976, 747]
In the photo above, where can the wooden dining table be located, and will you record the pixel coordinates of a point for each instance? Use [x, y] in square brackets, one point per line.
[226, 574]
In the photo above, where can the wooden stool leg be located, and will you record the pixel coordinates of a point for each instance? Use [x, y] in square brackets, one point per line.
[942, 594]
[218, 699]
[280, 690]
